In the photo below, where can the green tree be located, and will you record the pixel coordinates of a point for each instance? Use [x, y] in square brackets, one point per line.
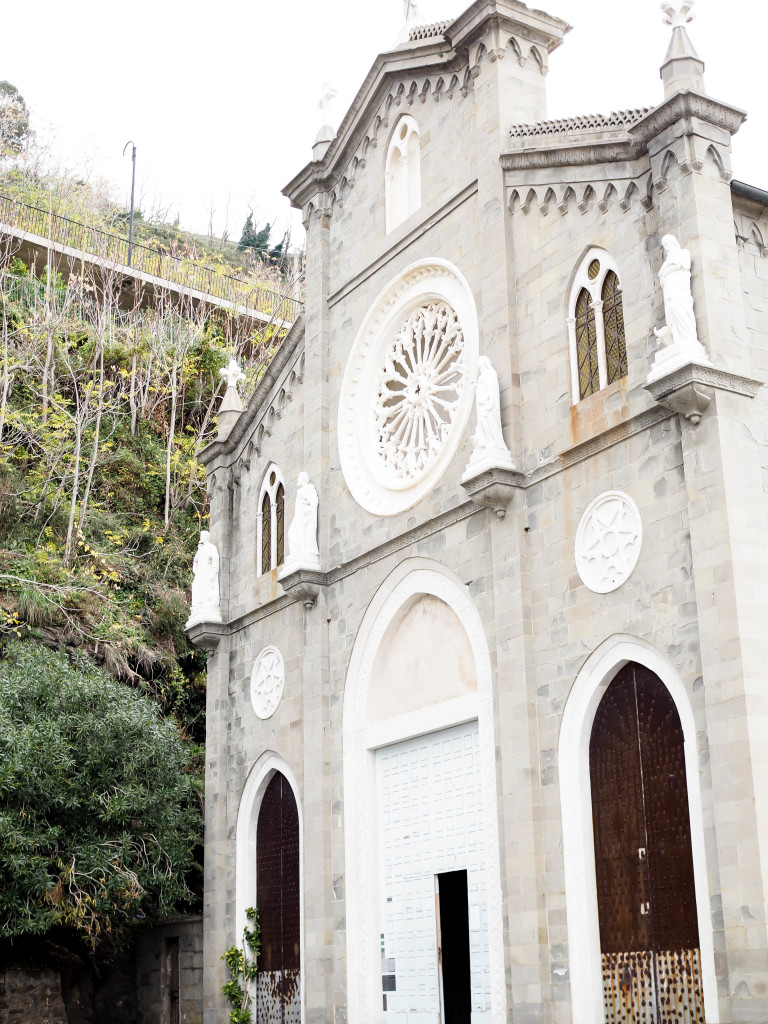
[254, 237]
[14, 120]
[99, 802]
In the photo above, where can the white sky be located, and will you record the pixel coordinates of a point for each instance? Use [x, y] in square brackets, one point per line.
[221, 98]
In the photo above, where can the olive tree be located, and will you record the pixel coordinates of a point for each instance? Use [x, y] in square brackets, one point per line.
[99, 801]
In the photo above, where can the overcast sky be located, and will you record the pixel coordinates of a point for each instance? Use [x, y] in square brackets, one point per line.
[221, 98]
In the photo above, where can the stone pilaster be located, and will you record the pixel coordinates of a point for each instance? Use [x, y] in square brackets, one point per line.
[728, 521]
[316, 809]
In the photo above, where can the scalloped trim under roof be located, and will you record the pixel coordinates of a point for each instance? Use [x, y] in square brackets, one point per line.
[585, 122]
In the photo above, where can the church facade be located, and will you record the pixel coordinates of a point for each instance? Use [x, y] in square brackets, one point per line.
[487, 720]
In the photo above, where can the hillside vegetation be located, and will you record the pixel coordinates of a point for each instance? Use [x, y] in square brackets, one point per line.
[103, 413]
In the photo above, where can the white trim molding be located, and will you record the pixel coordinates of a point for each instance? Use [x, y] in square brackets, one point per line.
[412, 578]
[256, 784]
[578, 839]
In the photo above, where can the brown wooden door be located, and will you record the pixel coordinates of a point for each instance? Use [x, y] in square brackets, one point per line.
[278, 903]
[644, 866]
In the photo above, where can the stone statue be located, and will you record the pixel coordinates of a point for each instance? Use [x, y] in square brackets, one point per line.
[675, 278]
[205, 583]
[490, 449]
[488, 403]
[302, 533]
[679, 343]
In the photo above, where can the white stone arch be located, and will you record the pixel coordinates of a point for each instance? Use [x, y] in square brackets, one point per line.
[402, 172]
[413, 577]
[259, 777]
[578, 839]
[270, 488]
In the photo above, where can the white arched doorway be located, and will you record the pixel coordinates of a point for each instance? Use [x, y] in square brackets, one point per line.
[262, 797]
[385, 721]
[584, 699]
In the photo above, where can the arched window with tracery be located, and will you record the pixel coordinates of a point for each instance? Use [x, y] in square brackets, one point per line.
[596, 326]
[271, 521]
[402, 178]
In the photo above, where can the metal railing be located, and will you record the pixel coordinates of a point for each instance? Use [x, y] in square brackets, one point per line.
[179, 271]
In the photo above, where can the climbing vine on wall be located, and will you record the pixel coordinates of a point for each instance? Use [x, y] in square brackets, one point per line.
[242, 962]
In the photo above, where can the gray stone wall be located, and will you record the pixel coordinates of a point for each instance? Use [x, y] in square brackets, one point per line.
[31, 996]
[151, 972]
[698, 593]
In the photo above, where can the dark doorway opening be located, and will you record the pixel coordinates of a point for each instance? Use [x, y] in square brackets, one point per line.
[452, 900]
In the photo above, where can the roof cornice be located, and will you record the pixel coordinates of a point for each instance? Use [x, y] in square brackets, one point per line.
[422, 56]
[538, 26]
[322, 175]
[604, 152]
[684, 105]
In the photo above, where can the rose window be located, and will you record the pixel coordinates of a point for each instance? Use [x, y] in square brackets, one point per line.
[419, 390]
[407, 394]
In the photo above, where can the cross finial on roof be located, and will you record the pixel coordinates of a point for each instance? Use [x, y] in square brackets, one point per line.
[410, 10]
[327, 95]
[677, 14]
[232, 373]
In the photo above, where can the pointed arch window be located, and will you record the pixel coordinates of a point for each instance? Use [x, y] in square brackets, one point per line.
[271, 521]
[596, 326]
[402, 178]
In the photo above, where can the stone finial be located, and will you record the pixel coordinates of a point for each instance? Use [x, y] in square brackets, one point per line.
[682, 68]
[678, 14]
[232, 373]
[411, 11]
[231, 404]
[328, 94]
[326, 134]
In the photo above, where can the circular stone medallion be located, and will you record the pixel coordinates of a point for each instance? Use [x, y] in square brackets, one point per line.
[406, 394]
[267, 679]
[608, 542]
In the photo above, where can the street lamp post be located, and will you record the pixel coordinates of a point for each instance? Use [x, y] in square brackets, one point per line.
[133, 185]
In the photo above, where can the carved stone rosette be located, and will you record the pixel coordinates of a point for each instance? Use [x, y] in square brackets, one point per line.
[267, 681]
[608, 542]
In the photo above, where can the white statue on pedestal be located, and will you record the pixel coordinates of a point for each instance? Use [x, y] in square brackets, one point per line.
[205, 583]
[302, 533]
[678, 337]
[490, 449]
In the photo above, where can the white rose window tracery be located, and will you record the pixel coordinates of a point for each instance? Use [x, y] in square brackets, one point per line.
[419, 390]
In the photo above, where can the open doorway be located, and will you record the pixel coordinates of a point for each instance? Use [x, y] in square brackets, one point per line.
[452, 914]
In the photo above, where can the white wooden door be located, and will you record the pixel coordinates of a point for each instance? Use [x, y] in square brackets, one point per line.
[429, 821]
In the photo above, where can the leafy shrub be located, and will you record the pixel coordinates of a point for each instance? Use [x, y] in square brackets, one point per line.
[99, 806]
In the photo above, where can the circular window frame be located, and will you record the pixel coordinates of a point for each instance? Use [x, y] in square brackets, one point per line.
[429, 280]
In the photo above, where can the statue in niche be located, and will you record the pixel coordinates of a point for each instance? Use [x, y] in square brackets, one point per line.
[205, 583]
[675, 279]
[302, 533]
[488, 404]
